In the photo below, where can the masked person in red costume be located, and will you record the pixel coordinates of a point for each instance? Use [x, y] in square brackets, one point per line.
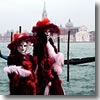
[22, 67]
[50, 61]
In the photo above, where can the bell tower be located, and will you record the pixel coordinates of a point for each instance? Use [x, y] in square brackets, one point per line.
[44, 13]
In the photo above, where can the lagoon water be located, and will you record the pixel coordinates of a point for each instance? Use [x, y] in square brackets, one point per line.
[82, 76]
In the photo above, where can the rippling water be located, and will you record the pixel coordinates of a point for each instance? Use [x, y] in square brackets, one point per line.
[82, 76]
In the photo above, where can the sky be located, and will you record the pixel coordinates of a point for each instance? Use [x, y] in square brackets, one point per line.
[25, 13]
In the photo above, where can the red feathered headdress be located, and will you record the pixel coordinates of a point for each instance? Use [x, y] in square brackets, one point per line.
[45, 21]
[18, 38]
[43, 25]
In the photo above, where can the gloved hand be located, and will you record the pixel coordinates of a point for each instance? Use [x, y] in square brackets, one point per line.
[18, 70]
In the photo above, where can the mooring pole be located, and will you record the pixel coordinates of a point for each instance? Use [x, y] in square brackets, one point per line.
[58, 38]
[20, 29]
[11, 36]
[68, 56]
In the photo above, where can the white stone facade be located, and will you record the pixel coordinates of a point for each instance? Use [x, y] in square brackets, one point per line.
[82, 35]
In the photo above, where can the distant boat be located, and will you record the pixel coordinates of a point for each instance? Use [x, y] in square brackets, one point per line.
[75, 61]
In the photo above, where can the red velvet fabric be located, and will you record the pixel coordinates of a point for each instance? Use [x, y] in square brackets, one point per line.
[18, 85]
[40, 50]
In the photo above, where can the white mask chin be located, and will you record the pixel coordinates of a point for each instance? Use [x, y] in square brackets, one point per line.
[22, 48]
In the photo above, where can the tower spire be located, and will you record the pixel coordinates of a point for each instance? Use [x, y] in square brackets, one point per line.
[44, 14]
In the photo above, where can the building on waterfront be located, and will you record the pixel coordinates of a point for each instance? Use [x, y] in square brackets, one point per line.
[92, 36]
[82, 35]
[6, 37]
[77, 34]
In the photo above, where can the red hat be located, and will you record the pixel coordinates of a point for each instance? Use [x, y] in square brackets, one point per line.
[45, 24]
[18, 38]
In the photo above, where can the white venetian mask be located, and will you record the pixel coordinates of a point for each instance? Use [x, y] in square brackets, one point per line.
[48, 34]
[22, 48]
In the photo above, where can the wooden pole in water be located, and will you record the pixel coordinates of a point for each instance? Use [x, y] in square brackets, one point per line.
[68, 56]
[58, 38]
[20, 29]
[11, 36]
